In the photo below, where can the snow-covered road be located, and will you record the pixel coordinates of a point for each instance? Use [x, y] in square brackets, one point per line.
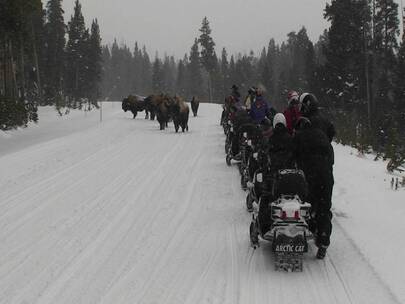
[121, 212]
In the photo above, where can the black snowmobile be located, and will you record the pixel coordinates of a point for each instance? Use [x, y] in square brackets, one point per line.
[282, 219]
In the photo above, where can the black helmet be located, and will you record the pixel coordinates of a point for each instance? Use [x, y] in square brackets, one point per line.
[252, 90]
[303, 123]
[235, 87]
[309, 103]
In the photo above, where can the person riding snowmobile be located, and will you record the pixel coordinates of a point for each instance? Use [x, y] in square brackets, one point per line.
[281, 155]
[241, 117]
[250, 98]
[292, 113]
[310, 109]
[314, 155]
[260, 108]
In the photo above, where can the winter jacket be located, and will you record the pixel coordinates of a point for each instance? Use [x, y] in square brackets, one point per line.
[319, 121]
[313, 151]
[314, 155]
[281, 149]
[292, 114]
[249, 100]
[259, 109]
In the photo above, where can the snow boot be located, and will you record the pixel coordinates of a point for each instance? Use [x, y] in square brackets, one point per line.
[249, 202]
[321, 252]
[254, 234]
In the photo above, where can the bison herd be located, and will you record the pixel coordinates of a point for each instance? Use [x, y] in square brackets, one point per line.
[164, 107]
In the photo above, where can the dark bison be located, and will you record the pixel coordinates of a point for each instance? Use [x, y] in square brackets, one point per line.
[134, 104]
[195, 103]
[160, 105]
[179, 111]
[150, 107]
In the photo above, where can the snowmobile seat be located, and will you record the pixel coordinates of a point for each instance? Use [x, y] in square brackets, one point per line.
[290, 182]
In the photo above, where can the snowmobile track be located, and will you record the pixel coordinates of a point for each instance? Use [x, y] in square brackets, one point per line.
[125, 213]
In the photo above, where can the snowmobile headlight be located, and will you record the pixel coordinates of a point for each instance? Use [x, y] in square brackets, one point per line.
[256, 155]
[259, 177]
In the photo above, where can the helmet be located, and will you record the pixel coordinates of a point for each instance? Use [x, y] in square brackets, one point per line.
[279, 118]
[292, 96]
[303, 123]
[308, 98]
[309, 102]
[234, 87]
[252, 90]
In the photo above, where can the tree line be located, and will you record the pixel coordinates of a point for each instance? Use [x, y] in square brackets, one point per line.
[44, 61]
[356, 68]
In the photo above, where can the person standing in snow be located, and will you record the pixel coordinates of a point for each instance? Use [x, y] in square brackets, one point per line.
[314, 155]
[292, 113]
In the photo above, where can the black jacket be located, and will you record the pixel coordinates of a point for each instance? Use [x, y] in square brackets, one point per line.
[319, 121]
[281, 149]
[313, 151]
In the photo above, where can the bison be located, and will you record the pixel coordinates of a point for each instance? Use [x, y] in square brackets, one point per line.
[179, 111]
[150, 107]
[159, 105]
[195, 103]
[134, 104]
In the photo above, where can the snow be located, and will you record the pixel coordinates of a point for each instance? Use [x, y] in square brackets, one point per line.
[120, 212]
[372, 213]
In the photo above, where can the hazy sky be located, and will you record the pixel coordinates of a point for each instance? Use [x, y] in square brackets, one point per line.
[171, 25]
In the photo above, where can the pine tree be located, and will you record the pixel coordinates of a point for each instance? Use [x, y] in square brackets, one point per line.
[157, 76]
[181, 83]
[207, 46]
[386, 30]
[270, 69]
[346, 53]
[233, 76]
[75, 57]
[106, 83]
[226, 83]
[208, 57]
[94, 64]
[20, 29]
[55, 30]
[400, 82]
[194, 71]
[136, 69]
[306, 60]
[146, 73]
[169, 74]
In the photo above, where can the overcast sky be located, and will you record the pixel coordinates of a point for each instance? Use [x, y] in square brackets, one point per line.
[171, 25]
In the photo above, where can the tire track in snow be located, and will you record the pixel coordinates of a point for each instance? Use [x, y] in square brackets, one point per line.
[50, 243]
[120, 222]
[173, 239]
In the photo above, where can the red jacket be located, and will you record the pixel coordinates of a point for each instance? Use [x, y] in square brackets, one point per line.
[292, 114]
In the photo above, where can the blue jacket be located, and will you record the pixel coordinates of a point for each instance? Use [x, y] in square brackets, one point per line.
[259, 109]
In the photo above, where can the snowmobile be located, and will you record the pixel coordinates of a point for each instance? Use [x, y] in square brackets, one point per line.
[228, 144]
[258, 178]
[282, 219]
[257, 170]
[252, 141]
